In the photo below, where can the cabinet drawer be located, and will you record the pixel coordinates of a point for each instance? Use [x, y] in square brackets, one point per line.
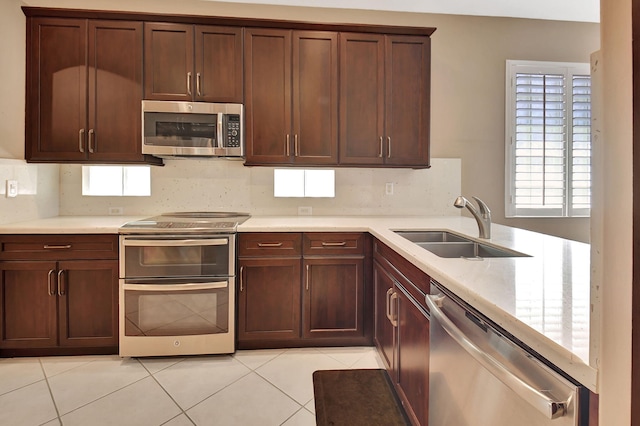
[58, 247]
[408, 274]
[269, 244]
[332, 243]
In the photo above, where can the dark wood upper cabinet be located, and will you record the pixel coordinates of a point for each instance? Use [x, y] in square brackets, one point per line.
[384, 100]
[186, 62]
[84, 91]
[408, 92]
[56, 90]
[291, 87]
[361, 99]
[314, 94]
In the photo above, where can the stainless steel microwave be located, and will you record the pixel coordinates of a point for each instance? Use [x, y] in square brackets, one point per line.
[192, 129]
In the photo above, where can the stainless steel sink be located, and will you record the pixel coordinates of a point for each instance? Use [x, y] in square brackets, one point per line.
[449, 245]
[469, 250]
[432, 236]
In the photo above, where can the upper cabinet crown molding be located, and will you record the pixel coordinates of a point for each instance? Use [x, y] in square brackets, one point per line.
[226, 21]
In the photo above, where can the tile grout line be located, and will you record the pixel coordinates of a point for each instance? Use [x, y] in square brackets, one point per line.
[152, 375]
[53, 399]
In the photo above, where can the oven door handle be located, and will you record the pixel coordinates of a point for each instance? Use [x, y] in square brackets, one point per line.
[176, 287]
[129, 242]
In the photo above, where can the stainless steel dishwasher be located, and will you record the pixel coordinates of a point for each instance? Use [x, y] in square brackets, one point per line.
[479, 376]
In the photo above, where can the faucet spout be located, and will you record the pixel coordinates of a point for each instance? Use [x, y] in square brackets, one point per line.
[482, 215]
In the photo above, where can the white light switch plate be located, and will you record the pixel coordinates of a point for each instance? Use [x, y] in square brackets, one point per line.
[12, 188]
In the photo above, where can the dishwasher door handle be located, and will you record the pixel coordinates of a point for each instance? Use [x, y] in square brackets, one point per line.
[547, 406]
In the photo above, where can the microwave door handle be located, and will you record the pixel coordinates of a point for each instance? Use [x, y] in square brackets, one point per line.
[176, 287]
[220, 139]
[174, 243]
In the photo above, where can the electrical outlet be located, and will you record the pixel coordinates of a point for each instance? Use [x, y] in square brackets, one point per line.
[388, 188]
[115, 211]
[305, 211]
[12, 188]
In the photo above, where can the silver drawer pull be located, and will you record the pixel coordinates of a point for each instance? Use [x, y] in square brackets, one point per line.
[334, 244]
[57, 247]
[269, 244]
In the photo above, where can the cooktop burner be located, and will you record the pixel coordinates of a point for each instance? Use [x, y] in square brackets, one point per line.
[187, 222]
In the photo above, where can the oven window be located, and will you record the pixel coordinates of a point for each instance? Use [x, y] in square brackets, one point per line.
[176, 313]
[177, 261]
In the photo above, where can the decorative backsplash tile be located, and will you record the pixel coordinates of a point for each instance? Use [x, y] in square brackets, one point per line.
[38, 191]
[190, 185]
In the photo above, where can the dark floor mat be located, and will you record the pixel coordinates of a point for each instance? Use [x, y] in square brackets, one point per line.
[356, 397]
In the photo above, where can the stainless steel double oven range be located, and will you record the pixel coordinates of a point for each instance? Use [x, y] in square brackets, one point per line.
[177, 284]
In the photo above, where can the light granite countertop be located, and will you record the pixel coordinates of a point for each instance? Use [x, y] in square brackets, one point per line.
[543, 300]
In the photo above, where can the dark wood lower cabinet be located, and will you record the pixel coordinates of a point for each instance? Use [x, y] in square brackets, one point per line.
[303, 290]
[402, 329]
[333, 297]
[269, 299]
[50, 307]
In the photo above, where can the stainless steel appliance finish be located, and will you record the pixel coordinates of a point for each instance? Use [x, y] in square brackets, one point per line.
[478, 376]
[192, 129]
[177, 284]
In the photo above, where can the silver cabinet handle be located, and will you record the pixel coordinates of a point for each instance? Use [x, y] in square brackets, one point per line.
[61, 282]
[91, 140]
[307, 278]
[269, 244]
[198, 84]
[81, 140]
[550, 408]
[389, 146]
[381, 147]
[189, 83]
[176, 287]
[296, 151]
[287, 148]
[388, 300]
[241, 283]
[334, 244]
[392, 311]
[52, 292]
[56, 247]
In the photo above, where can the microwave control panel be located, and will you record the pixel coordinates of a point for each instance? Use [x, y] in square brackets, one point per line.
[233, 131]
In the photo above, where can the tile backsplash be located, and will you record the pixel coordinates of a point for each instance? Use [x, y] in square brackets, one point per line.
[38, 191]
[218, 184]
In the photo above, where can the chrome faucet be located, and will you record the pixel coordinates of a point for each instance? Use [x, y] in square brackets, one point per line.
[483, 217]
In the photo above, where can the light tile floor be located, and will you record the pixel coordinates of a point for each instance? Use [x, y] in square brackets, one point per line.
[263, 387]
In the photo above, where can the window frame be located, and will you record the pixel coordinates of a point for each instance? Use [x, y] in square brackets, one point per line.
[568, 69]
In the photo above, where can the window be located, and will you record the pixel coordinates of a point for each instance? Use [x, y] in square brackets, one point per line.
[303, 183]
[116, 180]
[548, 139]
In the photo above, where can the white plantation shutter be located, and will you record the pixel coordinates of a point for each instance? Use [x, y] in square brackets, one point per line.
[548, 119]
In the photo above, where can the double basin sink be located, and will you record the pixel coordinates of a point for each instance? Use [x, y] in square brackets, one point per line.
[450, 245]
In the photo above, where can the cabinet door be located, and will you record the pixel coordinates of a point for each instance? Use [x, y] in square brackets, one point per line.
[333, 297]
[28, 305]
[269, 299]
[384, 330]
[315, 97]
[267, 82]
[115, 91]
[88, 302]
[56, 119]
[362, 137]
[168, 61]
[407, 88]
[413, 359]
[218, 62]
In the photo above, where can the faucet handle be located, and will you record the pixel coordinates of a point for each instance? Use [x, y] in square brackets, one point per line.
[484, 209]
